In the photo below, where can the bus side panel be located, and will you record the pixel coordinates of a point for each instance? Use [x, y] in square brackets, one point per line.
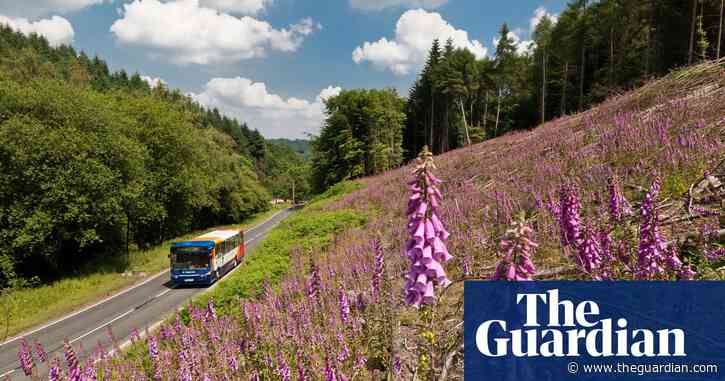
[242, 245]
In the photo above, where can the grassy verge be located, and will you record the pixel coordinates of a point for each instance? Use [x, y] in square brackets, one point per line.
[25, 308]
[310, 228]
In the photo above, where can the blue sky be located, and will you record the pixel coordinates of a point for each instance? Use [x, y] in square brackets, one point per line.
[272, 62]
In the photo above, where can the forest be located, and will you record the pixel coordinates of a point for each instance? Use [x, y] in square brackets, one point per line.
[591, 51]
[93, 161]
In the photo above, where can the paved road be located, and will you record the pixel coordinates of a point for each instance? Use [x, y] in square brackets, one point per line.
[138, 308]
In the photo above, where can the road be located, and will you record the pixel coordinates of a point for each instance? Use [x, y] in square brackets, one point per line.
[138, 307]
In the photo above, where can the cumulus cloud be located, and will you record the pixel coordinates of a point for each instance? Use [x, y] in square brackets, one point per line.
[184, 32]
[40, 8]
[244, 7]
[376, 5]
[153, 81]
[522, 46]
[539, 14]
[414, 34]
[56, 29]
[273, 115]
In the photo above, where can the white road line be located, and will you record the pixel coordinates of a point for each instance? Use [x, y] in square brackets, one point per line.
[162, 293]
[28, 333]
[7, 373]
[48, 325]
[121, 316]
[157, 324]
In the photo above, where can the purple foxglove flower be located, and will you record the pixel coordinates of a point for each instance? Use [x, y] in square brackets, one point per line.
[210, 310]
[72, 362]
[314, 284]
[396, 365]
[518, 247]
[716, 254]
[89, 373]
[54, 372]
[282, 369]
[25, 356]
[651, 245]
[589, 254]
[330, 373]
[301, 373]
[40, 351]
[570, 219]
[254, 376]
[344, 306]
[379, 268]
[672, 260]
[426, 248]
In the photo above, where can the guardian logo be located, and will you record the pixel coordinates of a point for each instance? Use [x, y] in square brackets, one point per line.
[570, 328]
[559, 331]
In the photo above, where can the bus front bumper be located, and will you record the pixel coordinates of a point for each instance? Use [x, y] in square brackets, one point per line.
[190, 279]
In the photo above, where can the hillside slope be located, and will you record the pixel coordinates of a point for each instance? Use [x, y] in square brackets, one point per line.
[672, 129]
[341, 312]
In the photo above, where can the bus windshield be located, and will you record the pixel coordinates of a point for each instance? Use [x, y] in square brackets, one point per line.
[191, 261]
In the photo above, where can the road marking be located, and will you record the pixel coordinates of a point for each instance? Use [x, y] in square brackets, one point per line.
[121, 316]
[48, 325]
[162, 293]
[8, 373]
[157, 324]
[76, 313]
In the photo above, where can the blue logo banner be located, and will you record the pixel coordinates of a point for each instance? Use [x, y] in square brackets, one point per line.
[539, 331]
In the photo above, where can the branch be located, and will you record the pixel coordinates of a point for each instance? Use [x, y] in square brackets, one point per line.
[449, 361]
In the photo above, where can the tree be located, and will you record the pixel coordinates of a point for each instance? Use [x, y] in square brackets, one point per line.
[362, 135]
[719, 29]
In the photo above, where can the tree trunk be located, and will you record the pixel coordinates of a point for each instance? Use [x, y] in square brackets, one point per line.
[583, 67]
[485, 111]
[293, 192]
[432, 118]
[611, 56]
[581, 81]
[498, 113]
[719, 31]
[692, 32]
[564, 85]
[543, 88]
[465, 124]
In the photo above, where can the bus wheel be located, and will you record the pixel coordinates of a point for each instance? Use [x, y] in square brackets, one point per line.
[235, 263]
[216, 275]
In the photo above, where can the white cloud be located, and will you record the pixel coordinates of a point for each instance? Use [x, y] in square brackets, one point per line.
[539, 14]
[244, 7]
[39, 8]
[184, 32]
[522, 46]
[153, 81]
[376, 5]
[273, 115]
[414, 34]
[56, 29]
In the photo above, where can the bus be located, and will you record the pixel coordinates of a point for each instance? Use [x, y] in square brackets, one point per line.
[206, 258]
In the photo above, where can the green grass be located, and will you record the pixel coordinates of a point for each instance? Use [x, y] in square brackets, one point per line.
[24, 308]
[309, 229]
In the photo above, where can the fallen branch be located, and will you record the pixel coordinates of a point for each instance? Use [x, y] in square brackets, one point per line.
[449, 362]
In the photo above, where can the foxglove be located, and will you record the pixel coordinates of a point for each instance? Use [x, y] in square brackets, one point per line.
[517, 247]
[426, 248]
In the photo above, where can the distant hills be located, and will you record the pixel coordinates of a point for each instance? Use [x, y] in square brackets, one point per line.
[301, 146]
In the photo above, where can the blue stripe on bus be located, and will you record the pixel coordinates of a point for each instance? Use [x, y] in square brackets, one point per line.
[207, 244]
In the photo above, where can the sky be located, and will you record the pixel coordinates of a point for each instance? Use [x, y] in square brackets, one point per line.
[272, 63]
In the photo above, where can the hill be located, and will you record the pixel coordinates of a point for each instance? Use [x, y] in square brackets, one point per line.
[300, 146]
[631, 189]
